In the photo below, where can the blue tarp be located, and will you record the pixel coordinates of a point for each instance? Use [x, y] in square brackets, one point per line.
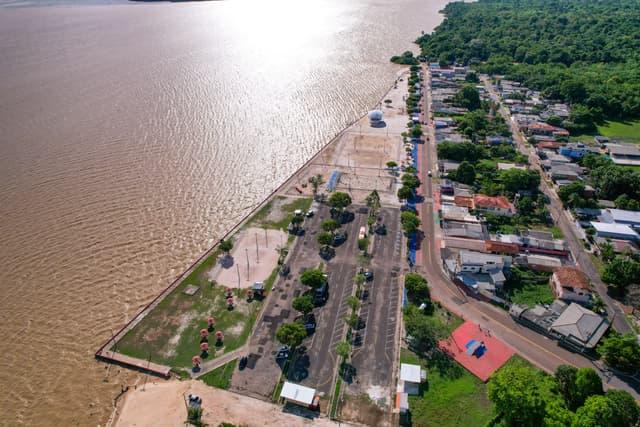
[333, 180]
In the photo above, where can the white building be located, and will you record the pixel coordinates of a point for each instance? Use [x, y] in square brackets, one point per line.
[571, 284]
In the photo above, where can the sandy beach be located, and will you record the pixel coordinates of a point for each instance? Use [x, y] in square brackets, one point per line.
[163, 403]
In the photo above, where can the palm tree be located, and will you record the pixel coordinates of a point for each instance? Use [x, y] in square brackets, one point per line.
[316, 181]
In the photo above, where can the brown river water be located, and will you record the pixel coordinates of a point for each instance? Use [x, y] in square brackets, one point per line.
[133, 136]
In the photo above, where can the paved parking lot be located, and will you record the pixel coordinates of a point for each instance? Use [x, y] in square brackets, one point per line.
[375, 345]
[331, 328]
[374, 349]
[262, 372]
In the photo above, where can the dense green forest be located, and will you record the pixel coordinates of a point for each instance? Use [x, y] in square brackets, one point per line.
[585, 52]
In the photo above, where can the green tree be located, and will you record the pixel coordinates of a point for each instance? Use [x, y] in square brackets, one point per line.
[588, 383]
[596, 412]
[621, 352]
[465, 173]
[316, 182]
[471, 77]
[467, 97]
[566, 191]
[373, 202]
[313, 278]
[339, 200]
[565, 378]
[417, 287]
[291, 334]
[424, 333]
[303, 304]
[515, 180]
[410, 221]
[331, 225]
[620, 273]
[518, 393]
[392, 164]
[353, 302]
[626, 412]
[410, 180]
[343, 349]
[325, 238]
[405, 193]
[226, 246]
[607, 252]
[557, 414]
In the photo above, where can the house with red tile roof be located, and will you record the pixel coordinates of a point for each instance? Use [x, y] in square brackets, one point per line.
[571, 284]
[493, 205]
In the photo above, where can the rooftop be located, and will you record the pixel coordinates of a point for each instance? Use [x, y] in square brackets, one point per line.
[623, 229]
[623, 150]
[488, 201]
[571, 276]
[298, 393]
[411, 373]
[471, 257]
[580, 324]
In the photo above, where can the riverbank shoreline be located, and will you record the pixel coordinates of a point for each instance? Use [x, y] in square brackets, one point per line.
[288, 188]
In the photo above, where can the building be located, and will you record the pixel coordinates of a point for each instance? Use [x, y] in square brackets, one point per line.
[476, 262]
[621, 216]
[579, 327]
[493, 205]
[574, 326]
[298, 394]
[571, 284]
[465, 229]
[624, 154]
[411, 376]
[614, 231]
[538, 262]
[577, 150]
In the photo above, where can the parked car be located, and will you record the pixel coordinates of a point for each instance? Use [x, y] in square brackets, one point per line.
[309, 322]
[339, 238]
[283, 352]
[327, 252]
[368, 275]
[321, 294]
[310, 213]
[243, 362]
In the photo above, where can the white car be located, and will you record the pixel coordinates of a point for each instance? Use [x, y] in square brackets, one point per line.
[429, 173]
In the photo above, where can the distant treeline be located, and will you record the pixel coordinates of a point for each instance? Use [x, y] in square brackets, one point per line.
[585, 52]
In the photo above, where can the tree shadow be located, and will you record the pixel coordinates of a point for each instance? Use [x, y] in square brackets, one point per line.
[226, 261]
[446, 366]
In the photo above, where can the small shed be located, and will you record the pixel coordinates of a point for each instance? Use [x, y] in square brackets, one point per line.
[298, 394]
[411, 377]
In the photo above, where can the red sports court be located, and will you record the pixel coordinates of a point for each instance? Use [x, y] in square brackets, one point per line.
[476, 349]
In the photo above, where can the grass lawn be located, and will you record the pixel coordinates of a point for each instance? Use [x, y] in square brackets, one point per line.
[452, 396]
[625, 130]
[220, 377]
[169, 334]
[555, 230]
[528, 287]
[278, 212]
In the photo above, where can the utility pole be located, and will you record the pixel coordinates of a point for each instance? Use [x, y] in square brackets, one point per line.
[257, 256]
[246, 251]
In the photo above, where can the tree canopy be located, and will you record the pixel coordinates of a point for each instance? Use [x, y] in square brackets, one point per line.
[417, 288]
[303, 304]
[621, 352]
[291, 334]
[339, 200]
[582, 52]
[313, 278]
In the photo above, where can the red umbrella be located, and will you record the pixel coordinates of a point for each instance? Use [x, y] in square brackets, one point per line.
[196, 360]
[249, 294]
[211, 321]
[229, 291]
[204, 333]
[230, 302]
[204, 347]
[219, 335]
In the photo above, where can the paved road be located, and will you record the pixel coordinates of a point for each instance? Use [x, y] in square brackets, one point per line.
[538, 349]
[568, 228]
